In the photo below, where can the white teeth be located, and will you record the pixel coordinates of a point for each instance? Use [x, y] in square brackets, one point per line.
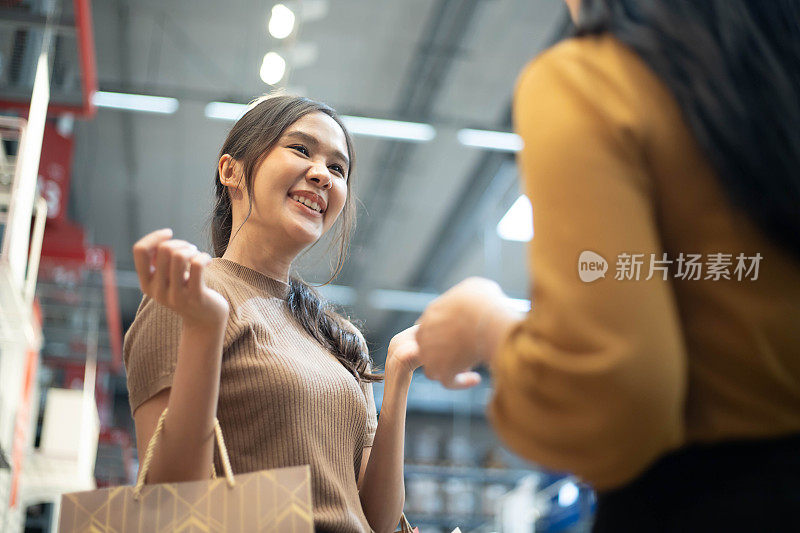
[305, 201]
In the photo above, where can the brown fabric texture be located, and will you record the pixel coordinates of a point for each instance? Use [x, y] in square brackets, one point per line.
[284, 400]
[271, 501]
[602, 378]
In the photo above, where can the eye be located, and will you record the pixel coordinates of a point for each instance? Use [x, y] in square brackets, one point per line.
[338, 169]
[300, 148]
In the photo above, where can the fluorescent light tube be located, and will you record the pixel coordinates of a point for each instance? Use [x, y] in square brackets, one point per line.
[389, 129]
[339, 294]
[135, 102]
[490, 140]
[394, 300]
[375, 127]
[225, 110]
[517, 223]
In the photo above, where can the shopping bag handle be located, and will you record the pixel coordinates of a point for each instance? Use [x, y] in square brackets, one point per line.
[405, 525]
[151, 446]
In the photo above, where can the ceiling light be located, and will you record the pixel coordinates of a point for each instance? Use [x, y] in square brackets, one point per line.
[491, 140]
[338, 294]
[375, 127]
[394, 300]
[272, 68]
[225, 110]
[281, 21]
[390, 129]
[135, 102]
[517, 223]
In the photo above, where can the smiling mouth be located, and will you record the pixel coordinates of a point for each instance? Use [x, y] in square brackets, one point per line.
[314, 206]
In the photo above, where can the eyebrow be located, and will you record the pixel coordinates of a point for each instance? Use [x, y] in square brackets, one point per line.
[310, 139]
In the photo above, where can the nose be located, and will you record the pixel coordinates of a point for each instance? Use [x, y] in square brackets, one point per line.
[319, 175]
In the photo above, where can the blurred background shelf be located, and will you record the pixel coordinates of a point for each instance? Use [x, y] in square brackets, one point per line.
[484, 475]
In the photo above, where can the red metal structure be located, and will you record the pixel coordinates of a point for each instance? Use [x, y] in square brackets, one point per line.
[74, 57]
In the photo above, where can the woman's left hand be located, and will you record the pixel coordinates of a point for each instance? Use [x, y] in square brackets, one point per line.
[460, 330]
[403, 354]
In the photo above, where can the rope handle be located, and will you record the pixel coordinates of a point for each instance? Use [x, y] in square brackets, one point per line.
[151, 446]
[405, 525]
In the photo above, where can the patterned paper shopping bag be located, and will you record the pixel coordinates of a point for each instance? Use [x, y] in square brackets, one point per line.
[276, 500]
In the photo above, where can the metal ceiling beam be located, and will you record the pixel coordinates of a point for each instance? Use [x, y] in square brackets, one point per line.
[490, 185]
[459, 226]
[129, 148]
[482, 195]
[490, 188]
[441, 43]
[15, 18]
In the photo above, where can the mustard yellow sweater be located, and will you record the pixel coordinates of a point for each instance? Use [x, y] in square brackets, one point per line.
[605, 376]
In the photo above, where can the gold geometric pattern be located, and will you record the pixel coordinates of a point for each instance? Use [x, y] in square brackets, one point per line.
[276, 500]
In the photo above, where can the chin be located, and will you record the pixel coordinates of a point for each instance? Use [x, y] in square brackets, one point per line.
[304, 236]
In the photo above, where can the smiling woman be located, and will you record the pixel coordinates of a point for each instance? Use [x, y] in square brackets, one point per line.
[239, 338]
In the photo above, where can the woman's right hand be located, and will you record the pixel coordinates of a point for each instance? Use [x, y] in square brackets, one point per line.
[171, 273]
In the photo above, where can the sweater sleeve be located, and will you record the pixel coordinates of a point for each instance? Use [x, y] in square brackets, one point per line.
[592, 381]
[150, 351]
[372, 415]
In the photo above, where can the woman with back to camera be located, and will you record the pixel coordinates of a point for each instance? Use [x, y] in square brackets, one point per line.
[663, 128]
[237, 337]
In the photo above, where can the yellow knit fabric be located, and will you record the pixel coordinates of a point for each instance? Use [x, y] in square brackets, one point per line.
[603, 377]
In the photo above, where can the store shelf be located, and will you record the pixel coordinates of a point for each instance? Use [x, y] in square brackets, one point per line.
[430, 397]
[484, 475]
[449, 522]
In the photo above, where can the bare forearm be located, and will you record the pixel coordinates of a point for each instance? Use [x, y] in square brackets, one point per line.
[382, 490]
[185, 450]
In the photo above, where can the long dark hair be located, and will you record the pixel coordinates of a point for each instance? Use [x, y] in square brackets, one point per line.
[248, 142]
[734, 69]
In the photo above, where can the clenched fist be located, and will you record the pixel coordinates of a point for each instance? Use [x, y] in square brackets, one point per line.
[171, 272]
[461, 329]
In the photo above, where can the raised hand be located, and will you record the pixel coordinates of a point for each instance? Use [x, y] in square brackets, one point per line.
[461, 329]
[403, 352]
[171, 272]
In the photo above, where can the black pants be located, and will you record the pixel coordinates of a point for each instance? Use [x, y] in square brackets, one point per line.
[731, 487]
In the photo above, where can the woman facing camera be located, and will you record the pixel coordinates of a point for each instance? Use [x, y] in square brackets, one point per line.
[239, 338]
[661, 358]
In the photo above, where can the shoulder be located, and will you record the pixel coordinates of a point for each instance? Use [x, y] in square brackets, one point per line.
[589, 88]
[598, 75]
[155, 326]
[589, 59]
[152, 314]
[215, 277]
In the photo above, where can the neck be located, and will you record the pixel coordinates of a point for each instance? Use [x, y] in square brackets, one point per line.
[270, 258]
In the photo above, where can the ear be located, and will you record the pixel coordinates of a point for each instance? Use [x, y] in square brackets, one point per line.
[230, 173]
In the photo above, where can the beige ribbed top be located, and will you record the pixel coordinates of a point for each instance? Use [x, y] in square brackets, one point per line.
[284, 400]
